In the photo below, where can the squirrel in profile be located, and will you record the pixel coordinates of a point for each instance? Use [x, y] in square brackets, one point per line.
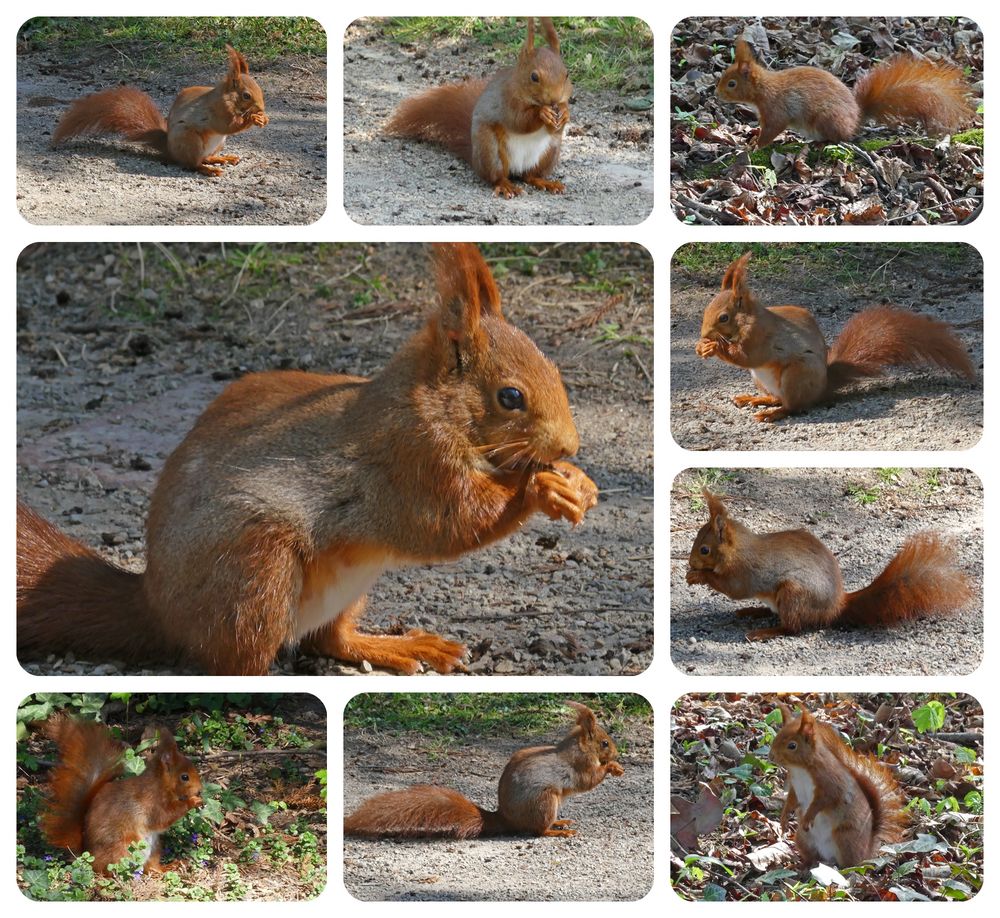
[508, 126]
[797, 577]
[786, 353]
[294, 491]
[818, 106]
[847, 804]
[90, 807]
[192, 135]
[533, 784]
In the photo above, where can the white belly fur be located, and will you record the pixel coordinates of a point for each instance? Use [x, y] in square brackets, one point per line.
[525, 150]
[768, 379]
[213, 143]
[820, 834]
[349, 583]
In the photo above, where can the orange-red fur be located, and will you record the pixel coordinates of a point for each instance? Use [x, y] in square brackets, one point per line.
[799, 578]
[817, 105]
[532, 786]
[440, 115]
[86, 809]
[787, 351]
[290, 480]
[862, 822]
[195, 129]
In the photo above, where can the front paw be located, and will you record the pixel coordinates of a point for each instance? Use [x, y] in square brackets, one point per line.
[707, 348]
[696, 577]
[613, 768]
[562, 492]
[554, 117]
[259, 118]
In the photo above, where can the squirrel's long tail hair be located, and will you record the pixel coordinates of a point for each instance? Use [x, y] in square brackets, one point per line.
[884, 336]
[923, 579]
[441, 115]
[907, 88]
[70, 598]
[121, 110]
[423, 811]
[89, 757]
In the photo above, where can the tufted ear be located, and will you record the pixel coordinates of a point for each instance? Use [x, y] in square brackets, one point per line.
[735, 277]
[807, 726]
[466, 289]
[584, 716]
[550, 33]
[237, 65]
[786, 713]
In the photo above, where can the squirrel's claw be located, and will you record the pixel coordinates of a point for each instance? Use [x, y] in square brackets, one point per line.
[564, 492]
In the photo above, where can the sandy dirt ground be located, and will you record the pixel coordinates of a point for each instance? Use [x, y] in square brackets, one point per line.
[611, 857]
[607, 158]
[905, 409]
[707, 639]
[104, 396]
[280, 179]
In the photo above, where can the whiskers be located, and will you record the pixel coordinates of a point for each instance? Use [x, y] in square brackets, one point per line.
[511, 455]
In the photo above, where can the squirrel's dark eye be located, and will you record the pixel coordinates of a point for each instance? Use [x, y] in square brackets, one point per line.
[184, 776]
[247, 96]
[510, 398]
[534, 76]
[724, 318]
[704, 549]
[604, 744]
[731, 84]
[793, 745]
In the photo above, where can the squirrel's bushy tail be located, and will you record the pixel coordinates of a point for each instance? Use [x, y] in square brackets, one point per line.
[908, 88]
[121, 110]
[423, 811]
[441, 115]
[70, 598]
[89, 757]
[885, 336]
[923, 579]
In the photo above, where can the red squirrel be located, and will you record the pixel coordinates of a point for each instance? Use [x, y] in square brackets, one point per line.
[90, 807]
[532, 786]
[508, 126]
[787, 356]
[294, 491]
[192, 135]
[797, 577]
[818, 106]
[847, 804]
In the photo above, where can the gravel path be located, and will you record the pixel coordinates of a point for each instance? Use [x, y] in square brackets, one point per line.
[706, 638]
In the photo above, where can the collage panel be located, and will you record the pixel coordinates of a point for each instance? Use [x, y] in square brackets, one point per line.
[822, 796]
[199, 797]
[183, 384]
[168, 120]
[826, 346]
[498, 796]
[826, 572]
[483, 120]
[827, 121]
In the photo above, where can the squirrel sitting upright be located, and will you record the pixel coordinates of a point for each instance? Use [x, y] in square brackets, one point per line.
[294, 491]
[509, 126]
[818, 106]
[192, 135]
[87, 809]
[533, 784]
[798, 578]
[847, 804]
[786, 353]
